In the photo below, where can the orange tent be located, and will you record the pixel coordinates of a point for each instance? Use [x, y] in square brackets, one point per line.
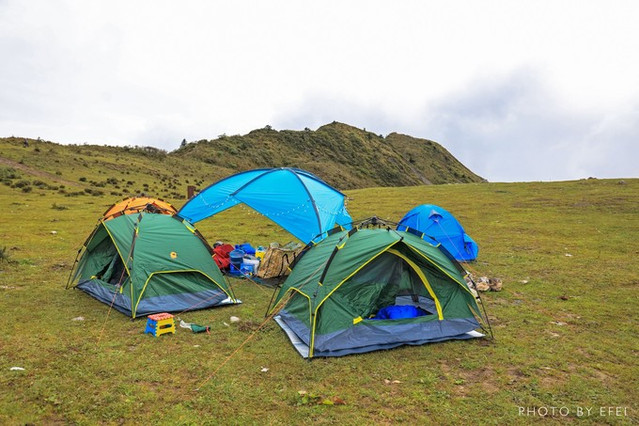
[138, 204]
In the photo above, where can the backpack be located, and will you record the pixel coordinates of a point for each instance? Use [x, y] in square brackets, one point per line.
[277, 259]
[221, 255]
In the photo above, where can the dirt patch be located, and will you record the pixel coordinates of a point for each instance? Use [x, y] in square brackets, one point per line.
[515, 374]
[486, 378]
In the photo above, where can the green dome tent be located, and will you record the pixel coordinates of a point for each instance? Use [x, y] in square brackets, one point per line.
[147, 263]
[334, 297]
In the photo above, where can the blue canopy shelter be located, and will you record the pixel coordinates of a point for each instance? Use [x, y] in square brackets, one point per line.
[295, 199]
[438, 224]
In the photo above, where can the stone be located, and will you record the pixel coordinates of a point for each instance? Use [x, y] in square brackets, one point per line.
[495, 284]
[482, 286]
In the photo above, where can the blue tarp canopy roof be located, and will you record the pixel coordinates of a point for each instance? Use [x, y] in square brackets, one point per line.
[440, 225]
[295, 199]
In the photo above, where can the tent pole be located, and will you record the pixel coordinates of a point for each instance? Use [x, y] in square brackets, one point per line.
[490, 328]
[275, 291]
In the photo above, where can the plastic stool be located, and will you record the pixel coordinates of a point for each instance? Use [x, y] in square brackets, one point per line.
[159, 324]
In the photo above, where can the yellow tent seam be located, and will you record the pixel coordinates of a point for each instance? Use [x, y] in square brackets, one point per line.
[310, 355]
[421, 275]
[462, 284]
[175, 272]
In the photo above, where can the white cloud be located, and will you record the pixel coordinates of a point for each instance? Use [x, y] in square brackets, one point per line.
[486, 79]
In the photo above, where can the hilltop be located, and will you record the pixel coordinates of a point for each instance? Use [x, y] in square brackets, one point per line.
[345, 156]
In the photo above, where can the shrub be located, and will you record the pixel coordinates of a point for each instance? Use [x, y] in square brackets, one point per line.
[4, 255]
[55, 206]
[27, 189]
[9, 173]
[21, 184]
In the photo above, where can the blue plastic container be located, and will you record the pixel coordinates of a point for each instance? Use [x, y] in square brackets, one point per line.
[246, 269]
[246, 248]
[236, 257]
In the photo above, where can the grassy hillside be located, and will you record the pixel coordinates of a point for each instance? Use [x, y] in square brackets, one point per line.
[344, 156]
[90, 170]
[565, 322]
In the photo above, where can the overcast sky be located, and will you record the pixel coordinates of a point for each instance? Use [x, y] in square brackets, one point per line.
[517, 90]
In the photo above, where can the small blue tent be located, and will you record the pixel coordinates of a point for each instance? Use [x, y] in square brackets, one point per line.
[295, 199]
[438, 224]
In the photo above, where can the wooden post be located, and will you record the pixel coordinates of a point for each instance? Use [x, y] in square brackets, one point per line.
[190, 192]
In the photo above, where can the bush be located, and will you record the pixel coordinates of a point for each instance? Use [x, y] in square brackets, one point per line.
[21, 184]
[9, 173]
[4, 255]
[82, 179]
[26, 189]
[55, 206]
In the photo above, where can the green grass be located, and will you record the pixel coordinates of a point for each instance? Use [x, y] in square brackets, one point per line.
[105, 370]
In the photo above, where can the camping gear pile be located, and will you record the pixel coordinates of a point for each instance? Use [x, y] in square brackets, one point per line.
[243, 260]
[355, 287]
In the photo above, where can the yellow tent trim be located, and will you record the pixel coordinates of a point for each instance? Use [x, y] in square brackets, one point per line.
[421, 275]
[462, 284]
[310, 354]
[290, 290]
[174, 272]
[124, 261]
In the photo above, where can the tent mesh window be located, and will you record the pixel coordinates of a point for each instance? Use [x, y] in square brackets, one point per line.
[388, 280]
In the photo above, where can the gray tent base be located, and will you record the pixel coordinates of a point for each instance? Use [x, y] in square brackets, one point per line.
[302, 348]
[152, 305]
